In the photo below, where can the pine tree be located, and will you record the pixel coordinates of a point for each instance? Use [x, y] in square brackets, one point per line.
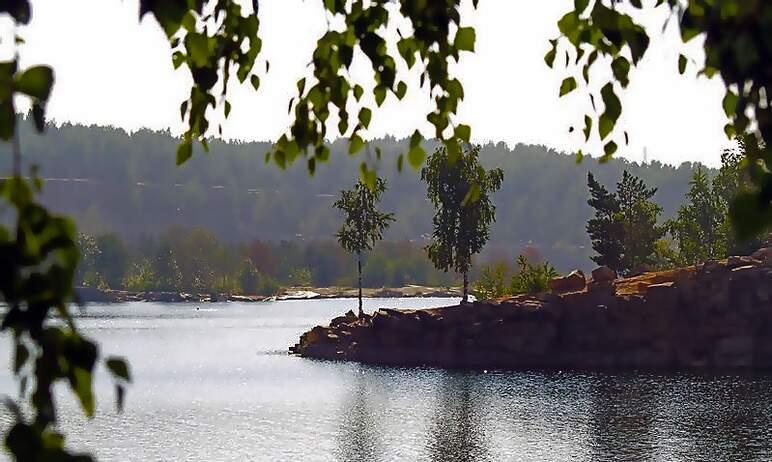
[624, 230]
[638, 214]
[698, 227]
[605, 230]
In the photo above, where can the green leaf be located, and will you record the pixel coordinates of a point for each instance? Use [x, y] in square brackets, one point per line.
[609, 149]
[36, 82]
[118, 367]
[401, 90]
[612, 111]
[730, 131]
[465, 39]
[255, 81]
[415, 138]
[587, 127]
[365, 115]
[454, 150]
[463, 132]
[81, 385]
[380, 94]
[416, 156]
[184, 152]
[549, 58]
[581, 5]
[681, 64]
[39, 117]
[579, 156]
[621, 69]
[198, 48]
[730, 103]
[358, 91]
[355, 144]
[568, 85]
[749, 214]
[227, 109]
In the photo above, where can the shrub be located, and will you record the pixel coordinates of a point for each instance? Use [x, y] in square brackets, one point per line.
[531, 278]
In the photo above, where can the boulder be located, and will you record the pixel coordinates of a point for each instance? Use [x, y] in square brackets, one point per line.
[347, 318]
[737, 261]
[574, 282]
[603, 274]
[764, 255]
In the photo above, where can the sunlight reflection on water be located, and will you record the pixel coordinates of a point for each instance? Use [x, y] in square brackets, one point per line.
[216, 385]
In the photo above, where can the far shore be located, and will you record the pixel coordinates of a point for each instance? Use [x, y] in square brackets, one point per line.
[94, 295]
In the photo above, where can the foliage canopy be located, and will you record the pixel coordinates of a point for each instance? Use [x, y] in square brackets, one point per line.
[460, 189]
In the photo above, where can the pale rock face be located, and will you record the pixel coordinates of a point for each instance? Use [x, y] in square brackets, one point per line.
[574, 282]
[717, 315]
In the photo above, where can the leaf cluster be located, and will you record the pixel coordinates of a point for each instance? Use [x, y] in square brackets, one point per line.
[736, 34]
[363, 224]
[39, 260]
[460, 189]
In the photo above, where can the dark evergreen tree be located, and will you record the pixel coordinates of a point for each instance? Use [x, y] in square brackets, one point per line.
[605, 230]
[638, 214]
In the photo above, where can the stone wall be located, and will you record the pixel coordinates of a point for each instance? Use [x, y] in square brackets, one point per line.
[716, 315]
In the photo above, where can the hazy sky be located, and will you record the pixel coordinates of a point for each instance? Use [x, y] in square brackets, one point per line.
[113, 70]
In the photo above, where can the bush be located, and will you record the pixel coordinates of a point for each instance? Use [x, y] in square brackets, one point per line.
[267, 286]
[530, 278]
[491, 281]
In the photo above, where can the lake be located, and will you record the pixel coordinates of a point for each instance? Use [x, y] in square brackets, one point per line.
[213, 382]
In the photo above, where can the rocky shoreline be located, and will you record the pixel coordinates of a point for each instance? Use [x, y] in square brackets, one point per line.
[94, 295]
[717, 315]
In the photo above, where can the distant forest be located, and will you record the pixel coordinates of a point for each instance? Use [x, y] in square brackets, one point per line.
[111, 181]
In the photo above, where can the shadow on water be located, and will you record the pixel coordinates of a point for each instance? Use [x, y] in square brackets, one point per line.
[721, 418]
[456, 434]
[359, 436]
[622, 419]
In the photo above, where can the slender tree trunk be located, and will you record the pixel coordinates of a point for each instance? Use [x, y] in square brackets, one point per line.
[359, 272]
[466, 288]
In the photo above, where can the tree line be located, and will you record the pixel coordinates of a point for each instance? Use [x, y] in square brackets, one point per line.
[629, 235]
[194, 260]
[111, 181]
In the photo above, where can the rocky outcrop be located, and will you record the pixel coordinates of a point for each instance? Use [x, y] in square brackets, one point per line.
[716, 315]
[574, 282]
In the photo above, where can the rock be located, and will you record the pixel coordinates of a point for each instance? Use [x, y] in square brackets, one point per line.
[347, 318]
[764, 255]
[603, 273]
[601, 286]
[717, 315]
[574, 282]
[737, 261]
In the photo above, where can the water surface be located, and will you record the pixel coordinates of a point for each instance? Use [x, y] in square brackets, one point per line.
[213, 382]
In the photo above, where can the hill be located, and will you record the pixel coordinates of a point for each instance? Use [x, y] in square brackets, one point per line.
[109, 180]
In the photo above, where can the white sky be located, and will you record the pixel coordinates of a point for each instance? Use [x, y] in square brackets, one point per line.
[113, 70]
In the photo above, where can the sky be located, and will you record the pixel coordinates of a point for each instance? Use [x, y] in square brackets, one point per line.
[112, 69]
